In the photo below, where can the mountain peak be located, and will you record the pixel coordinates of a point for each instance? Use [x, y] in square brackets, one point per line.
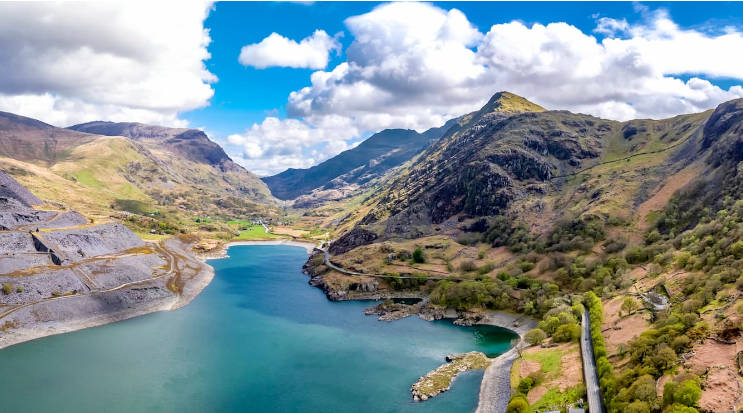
[507, 102]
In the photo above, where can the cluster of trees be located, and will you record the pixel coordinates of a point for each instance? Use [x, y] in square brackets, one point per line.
[568, 234]
[561, 324]
[465, 295]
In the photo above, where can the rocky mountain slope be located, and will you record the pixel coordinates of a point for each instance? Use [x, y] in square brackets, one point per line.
[59, 272]
[355, 167]
[141, 169]
[516, 158]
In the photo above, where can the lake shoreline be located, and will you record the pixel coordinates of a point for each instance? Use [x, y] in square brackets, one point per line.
[77, 312]
[82, 316]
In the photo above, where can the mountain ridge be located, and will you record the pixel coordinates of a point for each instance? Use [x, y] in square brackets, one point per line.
[357, 166]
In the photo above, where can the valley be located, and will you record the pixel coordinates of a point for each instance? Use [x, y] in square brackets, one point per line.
[511, 210]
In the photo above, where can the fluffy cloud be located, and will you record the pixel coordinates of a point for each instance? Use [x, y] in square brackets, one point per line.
[415, 65]
[276, 144]
[66, 64]
[312, 52]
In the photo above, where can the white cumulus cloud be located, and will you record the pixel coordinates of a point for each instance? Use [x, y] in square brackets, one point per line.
[65, 63]
[312, 52]
[416, 65]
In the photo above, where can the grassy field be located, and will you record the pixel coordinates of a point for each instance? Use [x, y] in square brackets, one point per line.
[256, 232]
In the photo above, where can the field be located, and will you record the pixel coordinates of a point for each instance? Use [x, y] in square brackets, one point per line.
[256, 232]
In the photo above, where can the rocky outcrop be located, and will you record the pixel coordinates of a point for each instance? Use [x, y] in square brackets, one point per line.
[388, 311]
[354, 238]
[439, 380]
[468, 319]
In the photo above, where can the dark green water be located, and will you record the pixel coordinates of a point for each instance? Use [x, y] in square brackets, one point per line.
[257, 339]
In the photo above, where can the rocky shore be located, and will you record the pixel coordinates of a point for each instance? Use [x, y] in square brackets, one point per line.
[495, 389]
[439, 380]
[78, 311]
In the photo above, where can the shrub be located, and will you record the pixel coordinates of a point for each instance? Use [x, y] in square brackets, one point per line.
[566, 332]
[518, 404]
[486, 268]
[467, 266]
[535, 336]
[418, 256]
[7, 288]
[56, 293]
[20, 289]
[525, 385]
[636, 255]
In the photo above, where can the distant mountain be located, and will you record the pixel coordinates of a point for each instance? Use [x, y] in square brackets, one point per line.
[355, 167]
[128, 166]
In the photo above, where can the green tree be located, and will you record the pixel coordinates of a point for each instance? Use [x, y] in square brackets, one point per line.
[688, 393]
[566, 332]
[418, 256]
[629, 305]
[535, 336]
[637, 407]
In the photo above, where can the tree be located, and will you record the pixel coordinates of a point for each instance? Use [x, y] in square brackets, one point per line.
[566, 332]
[688, 393]
[629, 305]
[665, 359]
[534, 337]
[418, 256]
[637, 407]
[7, 288]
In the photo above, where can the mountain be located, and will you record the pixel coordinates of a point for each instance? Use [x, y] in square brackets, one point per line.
[513, 157]
[132, 167]
[357, 166]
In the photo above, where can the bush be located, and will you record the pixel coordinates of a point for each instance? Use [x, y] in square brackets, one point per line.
[535, 336]
[20, 289]
[467, 266]
[56, 293]
[518, 404]
[418, 256]
[526, 384]
[636, 255]
[7, 288]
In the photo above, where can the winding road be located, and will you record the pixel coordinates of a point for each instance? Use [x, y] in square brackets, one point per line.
[593, 390]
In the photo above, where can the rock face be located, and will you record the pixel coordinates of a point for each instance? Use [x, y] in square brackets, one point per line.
[468, 319]
[439, 380]
[390, 311]
[354, 238]
[493, 159]
[76, 244]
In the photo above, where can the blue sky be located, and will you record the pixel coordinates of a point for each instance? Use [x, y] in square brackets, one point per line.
[336, 72]
[246, 95]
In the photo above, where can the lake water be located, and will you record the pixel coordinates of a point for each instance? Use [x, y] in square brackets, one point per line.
[257, 339]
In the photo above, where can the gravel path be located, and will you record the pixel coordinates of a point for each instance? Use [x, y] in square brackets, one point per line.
[495, 389]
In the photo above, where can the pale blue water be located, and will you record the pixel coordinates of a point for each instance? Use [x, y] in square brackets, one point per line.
[257, 339]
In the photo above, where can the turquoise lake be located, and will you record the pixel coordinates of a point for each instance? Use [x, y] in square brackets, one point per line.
[257, 339]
